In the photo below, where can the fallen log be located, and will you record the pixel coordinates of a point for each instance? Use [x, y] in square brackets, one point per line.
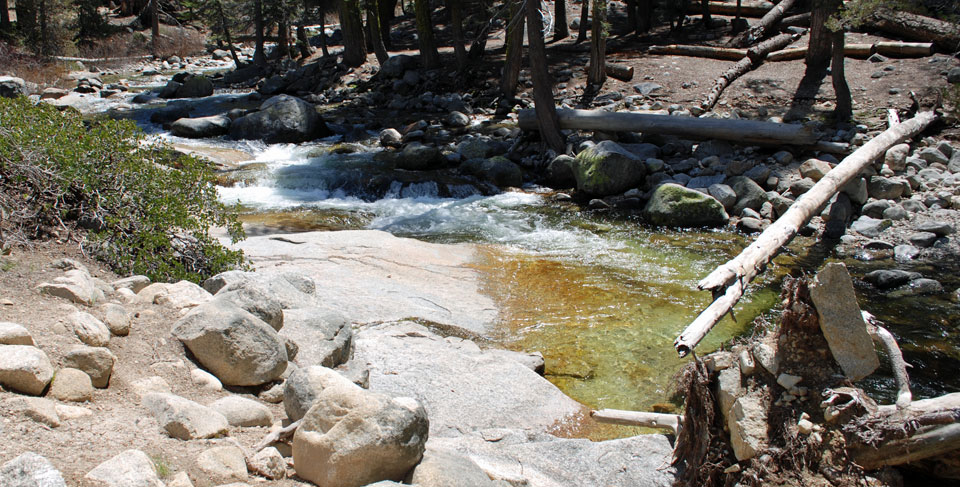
[928, 442]
[742, 131]
[754, 57]
[849, 50]
[728, 281]
[946, 35]
[621, 72]
[102, 59]
[799, 20]
[728, 53]
[636, 418]
[883, 337]
[277, 435]
[753, 9]
[764, 27]
[905, 49]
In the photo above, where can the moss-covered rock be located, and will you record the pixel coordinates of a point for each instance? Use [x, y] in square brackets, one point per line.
[673, 205]
[607, 169]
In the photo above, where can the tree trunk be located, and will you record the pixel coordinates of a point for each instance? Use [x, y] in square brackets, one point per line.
[645, 12]
[429, 57]
[844, 108]
[514, 46]
[542, 82]
[705, 12]
[754, 58]
[621, 72]
[584, 18]
[385, 11]
[479, 45]
[765, 26]
[728, 53]
[596, 73]
[226, 34]
[632, 21]
[259, 56]
[303, 43]
[373, 21]
[751, 9]
[4, 15]
[27, 22]
[821, 39]
[283, 37]
[323, 37]
[456, 19]
[945, 35]
[560, 28]
[861, 51]
[354, 47]
[728, 281]
[44, 37]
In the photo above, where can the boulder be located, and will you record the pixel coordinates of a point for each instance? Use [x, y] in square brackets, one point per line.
[241, 411]
[418, 157]
[291, 289]
[323, 337]
[180, 295]
[237, 347]
[395, 66]
[710, 148]
[39, 409]
[97, 362]
[220, 465]
[30, 470]
[89, 329]
[842, 322]
[883, 188]
[675, 206]
[206, 380]
[76, 286]
[282, 118]
[12, 87]
[441, 468]
[256, 300]
[748, 426]
[14, 334]
[749, 194]
[724, 194]
[390, 137]
[133, 283]
[890, 278]
[870, 227]
[896, 157]
[201, 127]
[814, 169]
[184, 419]
[607, 169]
[499, 171]
[171, 113]
[117, 318]
[353, 437]
[71, 385]
[304, 385]
[476, 148]
[131, 468]
[559, 173]
[269, 463]
[24, 369]
[192, 86]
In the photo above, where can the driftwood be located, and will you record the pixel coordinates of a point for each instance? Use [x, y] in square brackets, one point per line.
[752, 9]
[728, 282]
[102, 59]
[728, 53]
[621, 72]
[742, 131]
[946, 35]
[929, 441]
[635, 418]
[764, 27]
[277, 435]
[754, 57]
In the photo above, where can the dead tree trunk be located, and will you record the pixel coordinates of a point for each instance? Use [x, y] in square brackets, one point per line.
[946, 35]
[514, 46]
[752, 9]
[755, 56]
[596, 74]
[542, 82]
[727, 282]
[727, 53]
[621, 72]
[765, 26]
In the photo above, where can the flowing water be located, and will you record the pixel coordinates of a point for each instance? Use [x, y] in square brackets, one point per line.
[601, 297]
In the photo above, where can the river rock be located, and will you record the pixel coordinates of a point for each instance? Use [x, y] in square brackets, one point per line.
[39, 409]
[709, 148]
[282, 118]
[14, 334]
[241, 411]
[724, 194]
[71, 385]
[607, 169]
[256, 300]
[269, 463]
[184, 419]
[324, 337]
[940, 229]
[116, 318]
[181, 294]
[842, 322]
[133, 283]
[131, 468]
[352, 437]
[12, 87]
[441, 468]
[375, 276]
[814, 169]
[922, 239]
[172, 112]
[30, 470]
[407, 359]
[75, 285]
[890, 278]
[905, 253]
[419, 157]
[89, 329]
[237, 347]
[749, 194]
[206, 380]
[476, 148]
[303, 387]
[192, 86]
[870, 227]
[24, 369]
[559, 173]
[748, 426]
[291, 289]
[675, 206]
[874, 209]
[883, 188]
[96, 362]
[390, 137]
[201, 127]
[220, 465]
[395, 66]
[499, 171]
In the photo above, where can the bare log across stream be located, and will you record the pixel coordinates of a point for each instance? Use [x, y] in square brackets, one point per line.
[754, 57]
[728, 53]
[946, 35]
[742, 131]
[727, 282]
[764, 27]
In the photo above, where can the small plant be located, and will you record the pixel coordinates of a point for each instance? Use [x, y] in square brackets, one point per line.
[146, 209]
[160, 464]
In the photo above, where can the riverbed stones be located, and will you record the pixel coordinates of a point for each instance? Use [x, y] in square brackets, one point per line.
[559, 173]
[842, 322]
[922, 239]
[747, 423]
[179, 295]
[870, 227]
[883, 188]
[724, 194]
[814, 169]
[237, 347]
[184, 419]
[499, 171]
[220, 465]
[192, 86]
[390, 137]
[890, 278]
[24, 369]
[352, 437]
[282, 118]
[130, 468]
[89, 329]
[324, 337]
[71, 385]
[268, 463]
[241, 411]
[30, 470]
[607, 169]
[96, 362]
[201, 127]
[676, 206]
[14, 334]
[38, 409]
[419, 157]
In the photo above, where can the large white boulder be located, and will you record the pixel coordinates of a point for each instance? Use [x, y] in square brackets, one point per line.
[131, 468]
[25, 369]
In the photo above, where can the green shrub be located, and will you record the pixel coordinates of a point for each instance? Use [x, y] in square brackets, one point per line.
[146, 209]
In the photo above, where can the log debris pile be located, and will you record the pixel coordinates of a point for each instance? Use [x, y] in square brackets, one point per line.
[781, 408]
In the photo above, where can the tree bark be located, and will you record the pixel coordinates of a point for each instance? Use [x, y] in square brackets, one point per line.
[754, 58]
[354, 45]
[861, 51]
[303, 43]
[226, 34]
[705, 13]
[632, 21]
[765, 26]
[584, 18]
[743, 131]
[259, 56]
[821, 39]
[596, 73]
[946, 35]
[514, 47]
[456, 19]
[385, 13]
[645, 12]
[728, 281]
[844, 108]
[542, 82]
[373, 21]
[429, 57]
[560, 28]
[283, 36]
[927, 442]
[154, 26]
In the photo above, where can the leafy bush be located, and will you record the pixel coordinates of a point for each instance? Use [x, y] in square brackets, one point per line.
[147, 209]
